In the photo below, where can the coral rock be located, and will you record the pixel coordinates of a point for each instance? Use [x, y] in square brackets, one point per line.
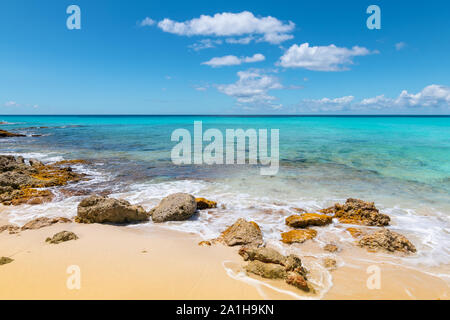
[387, 240]
[243, 232]
[308, 219]
[176, 207]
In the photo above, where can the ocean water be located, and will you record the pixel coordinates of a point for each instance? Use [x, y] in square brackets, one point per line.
[401, 163]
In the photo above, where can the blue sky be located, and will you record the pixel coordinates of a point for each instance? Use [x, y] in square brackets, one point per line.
[293, 57]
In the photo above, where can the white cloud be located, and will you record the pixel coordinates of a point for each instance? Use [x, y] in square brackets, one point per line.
[205, 44]
[147, 22]
[229, 24]
[399, 46]
[253, 88]
[243, 40]
[233, 60]
[432, 96]
[320, 58]
[11, 104]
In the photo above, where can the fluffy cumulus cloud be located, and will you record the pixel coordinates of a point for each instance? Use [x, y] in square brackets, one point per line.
[233, 60]
[227, 24]
[147, 22]
[431, 97]
[252, 88]
[320, 58]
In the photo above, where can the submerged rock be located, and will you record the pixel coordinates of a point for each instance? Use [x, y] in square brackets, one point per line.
[330, 247]
[329, 263]
[7, 134]
[308, 219]
[44, 222]
[100, 209]
[357, 211]
[387, 240]
[266, 270]
[5, 260]
[176, 207]
[243, 232]
[298, 236]
[203, 203]
[62, 237]
[356, 232]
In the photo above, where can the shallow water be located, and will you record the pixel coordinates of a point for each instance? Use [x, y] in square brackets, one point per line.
[401, 163]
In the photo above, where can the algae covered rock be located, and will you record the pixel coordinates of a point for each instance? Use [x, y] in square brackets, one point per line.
[203, 204]
[176, 207]
[387, 240]
[308, 219]
[243, 232]
[101, 209]
[298, 236]
[62, 236]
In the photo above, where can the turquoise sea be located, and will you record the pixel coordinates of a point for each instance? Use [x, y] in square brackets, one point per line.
[401, 163]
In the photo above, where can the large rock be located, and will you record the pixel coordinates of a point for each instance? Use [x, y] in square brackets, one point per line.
[387, 240]
[243, 232]
[357, 211]
[263, 254]
[100, 209]
[308, 219]
[16, 179]
[266, 270]
[298, 236]
[176, 207]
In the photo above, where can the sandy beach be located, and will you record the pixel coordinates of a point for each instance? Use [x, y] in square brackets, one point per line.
[119, 262]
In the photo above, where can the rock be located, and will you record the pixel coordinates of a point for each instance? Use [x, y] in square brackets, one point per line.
[100, 209]
[203, 203]
[299, 236]
[11, 228]
[308, 219]
[266, 270]
[16, 179]
[5, 260]
[263, 254]
[32, 196]
[243, 232]
[7, 134]
[388, 240]
[43, 222]
[62, 237]
[329, 263]
[298, 281]
[176, 207]
[293, 263]
[204, 243]
[330, 247]
[355, 232]
[357, 211]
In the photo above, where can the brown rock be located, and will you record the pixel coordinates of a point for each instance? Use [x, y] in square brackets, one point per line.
[299, 236]
[5, 260]
[262, 254]
[330, 247]
[43, 222]
[11, 228]
[99, 209]
[62, 236]
[243, 232]
[298, 281]
[293, 263]
[204, 243]
[176, 207]
[329, 263]
[203, 203]
[355, 232]
[7, 134]
[308, 219]
[266, 270]
[387, 240]
[357, 211]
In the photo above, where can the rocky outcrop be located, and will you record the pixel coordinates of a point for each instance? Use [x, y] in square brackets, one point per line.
[62, 236]
[387, 240]
[203, 204]
[22, 182]
[42, 222]
[176, 207]
[101, 209]
[298, 236]
[357, 211]
[5, 260]
[7, 134]
[269, 263]
[243, 232]
[308, 219]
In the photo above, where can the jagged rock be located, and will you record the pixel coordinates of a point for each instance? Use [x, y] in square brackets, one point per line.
[293, 263]
[100, 209]
[10, 227]
[299, 236]
[308, 219]
[203, 203]
[266, 270]
[44, 222]
[176, 207]
[263, 254]
[388, 240]
[329, 263]
[330, 247]
[357, 211]
[298, 281]
[5, 260]
[62, 237]
[243, 232]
